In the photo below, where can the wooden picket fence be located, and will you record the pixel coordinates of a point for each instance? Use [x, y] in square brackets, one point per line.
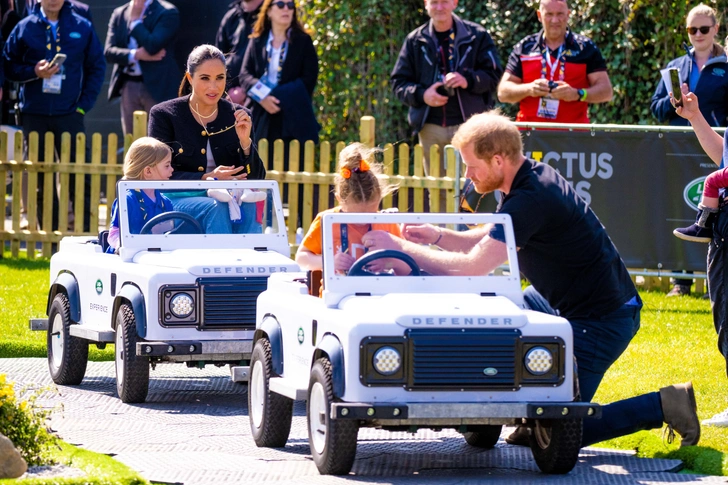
[310, 170]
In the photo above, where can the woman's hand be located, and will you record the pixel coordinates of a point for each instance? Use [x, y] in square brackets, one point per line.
[227, 172]
[270, 104]
[243, 127]
[689, 107]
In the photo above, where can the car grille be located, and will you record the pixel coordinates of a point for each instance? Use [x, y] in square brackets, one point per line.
[230, 302]
[462, 359]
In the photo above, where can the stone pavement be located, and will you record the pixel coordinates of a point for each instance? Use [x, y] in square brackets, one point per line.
[194, 430]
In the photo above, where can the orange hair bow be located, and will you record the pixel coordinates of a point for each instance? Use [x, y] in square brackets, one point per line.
[363, 167]
[345, 172]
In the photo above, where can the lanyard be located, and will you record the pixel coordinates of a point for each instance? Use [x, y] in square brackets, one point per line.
[281, 57]
[143, 206]
[449, 64]
[345, 237]
[49, 39]
[559, 62]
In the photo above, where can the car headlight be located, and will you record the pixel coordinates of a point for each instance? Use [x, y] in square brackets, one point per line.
[538, 361]
[182, 305]
[387, 361]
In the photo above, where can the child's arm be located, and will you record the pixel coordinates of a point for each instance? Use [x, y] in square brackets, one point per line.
[308, 260]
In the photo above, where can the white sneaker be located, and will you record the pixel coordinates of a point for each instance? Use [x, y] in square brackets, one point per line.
[720, 419]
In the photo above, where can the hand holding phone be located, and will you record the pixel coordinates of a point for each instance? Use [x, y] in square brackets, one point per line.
[676, 87]
[58, 60]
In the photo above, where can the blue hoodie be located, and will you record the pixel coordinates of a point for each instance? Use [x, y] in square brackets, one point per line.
[83, 69]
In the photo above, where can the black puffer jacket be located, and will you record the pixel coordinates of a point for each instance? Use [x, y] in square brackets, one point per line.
[475, 57]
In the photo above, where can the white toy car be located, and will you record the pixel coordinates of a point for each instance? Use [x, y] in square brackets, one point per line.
[408, 352]
[165, 297]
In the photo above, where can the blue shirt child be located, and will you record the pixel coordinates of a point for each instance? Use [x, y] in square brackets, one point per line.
[141, 210]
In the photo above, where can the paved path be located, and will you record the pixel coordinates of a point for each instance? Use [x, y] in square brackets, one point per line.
[194, 430]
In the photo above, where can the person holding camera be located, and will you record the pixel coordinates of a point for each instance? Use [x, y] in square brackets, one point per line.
[555, 73]
[447, 71]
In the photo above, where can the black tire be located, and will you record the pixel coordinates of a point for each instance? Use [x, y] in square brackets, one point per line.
[270, 413]
[67, 363]
[483, 436]
[333, 444]
[132, 372]
[556, 444]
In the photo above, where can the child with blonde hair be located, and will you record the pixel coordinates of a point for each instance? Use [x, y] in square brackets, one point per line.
[357, 189]
[146, 159]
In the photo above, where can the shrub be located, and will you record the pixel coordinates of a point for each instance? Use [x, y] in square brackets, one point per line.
[25, 425]
[358, 42]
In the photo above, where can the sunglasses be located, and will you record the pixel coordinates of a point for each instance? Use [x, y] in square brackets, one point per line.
[692, 30]
[282, 5]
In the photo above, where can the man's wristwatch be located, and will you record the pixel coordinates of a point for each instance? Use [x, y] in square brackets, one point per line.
[582, 94]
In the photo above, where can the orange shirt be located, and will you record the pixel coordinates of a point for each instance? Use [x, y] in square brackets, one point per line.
[312, 240]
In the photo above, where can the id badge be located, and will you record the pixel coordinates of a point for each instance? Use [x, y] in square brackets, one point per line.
[548, 108]
[260, 90]
[52, 85]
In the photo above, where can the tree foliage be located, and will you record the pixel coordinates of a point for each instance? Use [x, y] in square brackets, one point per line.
[358, 42]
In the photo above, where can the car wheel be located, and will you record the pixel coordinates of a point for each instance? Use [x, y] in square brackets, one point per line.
[332, 442]
[67, 355]
[483, 436]
[132, 372]
[270, 413]
[555, 445]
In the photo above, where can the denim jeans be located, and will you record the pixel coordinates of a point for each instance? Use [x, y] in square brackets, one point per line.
[213, 216]
[598, 343]
[249, 222]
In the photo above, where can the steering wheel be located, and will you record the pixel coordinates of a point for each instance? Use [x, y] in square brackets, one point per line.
[167, 216]
[358, 268]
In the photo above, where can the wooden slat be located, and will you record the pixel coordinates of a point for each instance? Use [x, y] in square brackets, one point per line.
[294, 160]
[32, 213]
[419, 195]
[403, 171]
[17, 193]
[65, 180]
[3, 188]
[435, 195]
[388, 169]
[49, 186]
[309, 155]
[79, 211]
[112, 145]
[451, 162]
[96, 149]
[324, 168]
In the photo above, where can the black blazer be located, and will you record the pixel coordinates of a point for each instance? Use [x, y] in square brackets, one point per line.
[301, 62]
[172, 122]
[157, 31]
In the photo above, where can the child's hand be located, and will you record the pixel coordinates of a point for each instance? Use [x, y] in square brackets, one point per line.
[342, 262]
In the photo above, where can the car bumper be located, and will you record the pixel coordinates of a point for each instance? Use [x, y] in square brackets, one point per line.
[448, 414]
[215, 350]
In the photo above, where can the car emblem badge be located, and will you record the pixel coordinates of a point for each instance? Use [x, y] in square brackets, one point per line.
[490, 371]
[99, 287]
[300, 335]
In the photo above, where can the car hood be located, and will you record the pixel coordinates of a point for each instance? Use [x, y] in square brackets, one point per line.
[220, 262]
[437, 310]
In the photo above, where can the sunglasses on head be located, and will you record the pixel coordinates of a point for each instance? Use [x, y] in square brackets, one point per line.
[282, 5]
[692, 30]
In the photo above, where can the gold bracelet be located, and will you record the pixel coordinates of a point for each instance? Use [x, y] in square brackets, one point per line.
[245, 149]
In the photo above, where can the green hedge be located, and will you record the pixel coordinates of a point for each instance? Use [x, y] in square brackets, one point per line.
[358, 42]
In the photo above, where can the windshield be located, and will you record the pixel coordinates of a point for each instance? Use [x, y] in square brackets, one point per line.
[364, 253]
[183, 214]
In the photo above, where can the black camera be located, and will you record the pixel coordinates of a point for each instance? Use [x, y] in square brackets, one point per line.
[445, 90]
[553, 85]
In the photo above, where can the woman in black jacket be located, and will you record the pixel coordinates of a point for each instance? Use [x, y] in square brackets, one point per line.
[281, 65]
[210, 137]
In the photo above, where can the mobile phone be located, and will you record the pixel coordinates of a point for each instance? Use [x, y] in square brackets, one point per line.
[58, 60]
[676, 86]
[553, 85]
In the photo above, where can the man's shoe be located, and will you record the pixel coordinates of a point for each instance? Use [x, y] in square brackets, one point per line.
[681, 412]
[679, 290]
[520, 436]
[720, 419]
[694, 233]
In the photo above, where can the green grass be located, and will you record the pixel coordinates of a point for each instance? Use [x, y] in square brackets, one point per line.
[100, 469]
[677, 343]
[24, 295]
